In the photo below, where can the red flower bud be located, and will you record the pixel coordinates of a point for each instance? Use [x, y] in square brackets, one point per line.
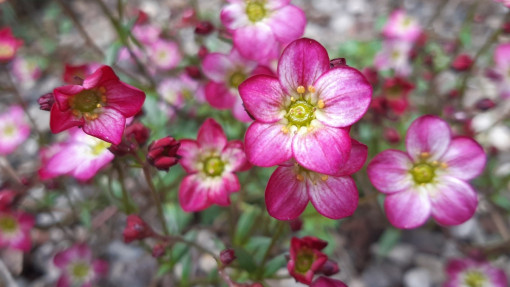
[296, 224]
[159, 249]
[227, 256]
[506, 27]
[137, 132]
[163, 153]
[193, 72]
[46, 101]
[136, 229]
[329, 268]
[202, 52]
[485, 104]
[204, 28]
[462, 62]
[7, 197]
[391, 135]
[371, 74]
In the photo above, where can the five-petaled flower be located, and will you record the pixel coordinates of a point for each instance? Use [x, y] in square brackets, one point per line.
[305, 112]
[8, 44]
[306, 258]
[211, 162]
[474, 273]
[100, 105]
[15, 230]
[14, 129]
[431, 178]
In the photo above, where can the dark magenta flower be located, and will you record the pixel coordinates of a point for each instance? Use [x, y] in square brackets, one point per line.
[327, 282]
[100, 106]
[8, 44]
[306, 258]
[163, 153]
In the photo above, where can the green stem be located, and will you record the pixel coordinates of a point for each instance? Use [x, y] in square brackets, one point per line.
[155, 196]
[274, 239]
[128, 207]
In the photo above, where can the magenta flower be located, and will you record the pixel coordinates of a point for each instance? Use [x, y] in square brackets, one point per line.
[26, 70]
[100, 105]
[306, 258]
[260, 27]
[305, 112]
[471, 273]
[81, 157]
[402, 27]
[226, 73]
[8, 44]
[431, 178]
[502, 60]
[291, 186]
[327, 282]
[164, 54]
[14, 129]
[504, 2]
[15, 230]
[211, 163]
[74, 74]
[78, 267]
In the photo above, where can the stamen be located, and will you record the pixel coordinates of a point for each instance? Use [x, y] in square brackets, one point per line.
[324, 177]
[76, 113]
[285, 130]
[424, 155]
[300, 90]
[320, 104]
[434, 163]
[300, 177]
[98, 105]
[444, 165]
[292, 99]
[310, 128]
[311, 89]
[102, 90]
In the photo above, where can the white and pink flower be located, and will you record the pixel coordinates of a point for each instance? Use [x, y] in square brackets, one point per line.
[261, 27]
[474, 273]
[9, 44]
[164, 54]
[15, 229]
[78, 267]
[26, 70]
[502, 60]
[81, 156]
[395, 55]
[304, 113]
[14, 129]
[211, 163]
[402, 27]
[431, 178]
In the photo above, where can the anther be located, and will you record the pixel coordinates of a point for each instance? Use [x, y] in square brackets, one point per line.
[310, 128]
[285, 130]
[311, 89]
[424, 155]
[435, 163]
[320, 104]
[444, 165]
[300, 90]
[300, 177]
[292, 99]
[324, 177]
[102, 90]
[98, 105]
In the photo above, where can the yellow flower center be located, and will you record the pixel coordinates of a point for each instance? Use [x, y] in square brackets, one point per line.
[304, 261]
[9, 130]
[87, 103]
[99, 147]
[214, 166]
[6, 50]
[475, 279]
[8, 224]
[236, 79]
[80, 270]
[255, 11]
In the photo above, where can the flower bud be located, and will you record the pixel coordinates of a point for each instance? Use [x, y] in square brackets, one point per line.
[391, 135]
[7, 197]
[485, 104]
[462, 62]
[138, 133]
[204, 28]
[163, 153]
[227, 256]
[46, 101]
[329, 268]
[136, 229]
[202, 52]
[159, 249]
[296, 224]
[193, 72]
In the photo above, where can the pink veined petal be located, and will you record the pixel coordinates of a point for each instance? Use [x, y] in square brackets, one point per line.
[263, 98]
[61, 121]
[453, 202]
[287, 23]
[389, 171]
[211, 136]
[234, 16]
[465, 158]
[62, 95]
[301, 64]
[22, 242]
[126, 99]
[499, 278]
[335, 197]
[240, 112]
[234, 155]
[193, 194]
[89, 168]
[61, 163]
[327, 282]
[219, 96]
[190, 153]
[408, 209]
[266, 145]
[220, 193]
[323, 150]
[98, 77]
[217, 67]
[109, 126]
[346, 95]
[286, 196]
[275, 4]
[256, 42]
[502, 56]
[357, 158]
[64, 281]
[428, 134]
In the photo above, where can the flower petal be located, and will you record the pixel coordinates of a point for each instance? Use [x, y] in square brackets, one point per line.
[389, 171]
[190, 153]
[334, 197]
[109, 126]
[220, 193]
[357, 158]
[323, 150]
[89, 168]
[217, 67]
[234, 16]
[193, 194]
[287, 23]
[62, 95]
[256, 42]
[239, 111]
[266, 145]
[428, 134]
[211, 136]
[61, 121]
[99, 76]
[327, 282]
[465, 158]
[346, 95]
[454, 201]
[301, 64]
[234, 155]
[408, 209]
[286, 196]
[126, 99]
[219, 96]
[263, 98]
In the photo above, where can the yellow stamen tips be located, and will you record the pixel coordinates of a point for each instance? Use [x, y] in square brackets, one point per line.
[285, 130]
[310, 128]
[103, 99]
[300, 90]
[424, 155]
[320, 104]
[444, 165]
[90, 117]
[300, 177]
[434, 163]
[98, 105]
[76, 113]
[324, 177]
[102, 90]
[292, 99]
[311, 89]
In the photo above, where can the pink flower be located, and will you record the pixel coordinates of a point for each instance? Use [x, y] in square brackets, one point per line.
[14, 130]
[226, 73]
[259, 27]
[173, 90]
[402, 27]
[291, 186]
[327, 282]
[78, 267]
[504, 2]
[502, 60]
[164, 54]
[431, 178]
[26, 70]
[211, 163]
[306, 258]
[471, 273]
[396, 92]
[15, 230]
[81, 156]
[100, 105]
[305, 112]
[74, 74]
[8, 44]
[395, 55]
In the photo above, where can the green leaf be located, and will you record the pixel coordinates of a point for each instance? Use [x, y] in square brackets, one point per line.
[245, 259]
[245, 224]
[274, 265]
[111, 53]
[388, 240]
[501, 201]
